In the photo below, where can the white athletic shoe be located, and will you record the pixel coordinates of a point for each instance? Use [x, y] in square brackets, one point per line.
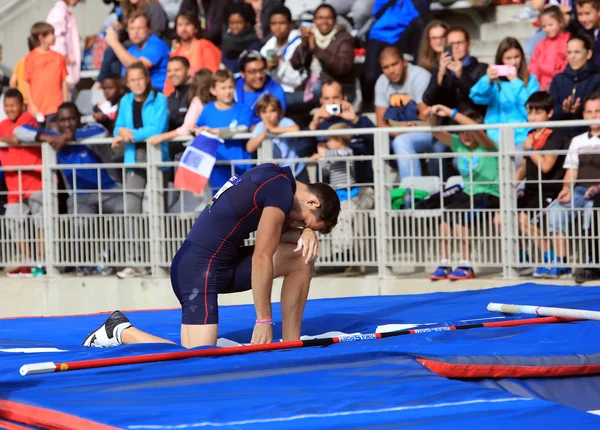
[109, 333]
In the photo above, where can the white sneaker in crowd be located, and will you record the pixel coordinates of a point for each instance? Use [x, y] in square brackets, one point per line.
[133, 272]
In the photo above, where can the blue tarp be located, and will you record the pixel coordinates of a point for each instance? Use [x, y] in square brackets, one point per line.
[369, 384]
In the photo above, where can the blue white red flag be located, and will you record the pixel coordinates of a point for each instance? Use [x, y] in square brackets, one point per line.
[197, 163]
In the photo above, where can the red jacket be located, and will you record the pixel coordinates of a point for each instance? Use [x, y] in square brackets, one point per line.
[549, 59]
[30, 180]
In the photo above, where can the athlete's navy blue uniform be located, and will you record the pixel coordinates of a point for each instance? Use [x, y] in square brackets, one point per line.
[213, 259]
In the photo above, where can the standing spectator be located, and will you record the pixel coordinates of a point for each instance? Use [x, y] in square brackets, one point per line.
[17, 80]
[25, 186]
[432, 44]
[255, 83]
[5, 74]
[45, 74]
[273, 123]
[105, 112]
[147, 48]
[592, 273]
[361, 10]
[453, 77]
[480, 176]
[201, 53]
[582, 165]
[224, 112]
[399, 96]
[200, 96]
[542, 174]
[239, 36]
[215, 15]
[327, 52]
[171, 8]
[550, 55]
[263, 10]
[588, 17]
[67, 37]
[575, 84]
[278, 52]
[506, 96]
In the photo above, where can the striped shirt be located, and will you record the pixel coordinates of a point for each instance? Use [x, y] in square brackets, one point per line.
[341, 172]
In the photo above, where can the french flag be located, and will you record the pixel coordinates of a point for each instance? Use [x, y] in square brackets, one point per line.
[197, 163]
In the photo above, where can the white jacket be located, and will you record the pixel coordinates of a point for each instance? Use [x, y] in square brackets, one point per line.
[288, 77]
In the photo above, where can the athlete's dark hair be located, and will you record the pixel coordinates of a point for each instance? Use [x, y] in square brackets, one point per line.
[540, 100]
[330, 207]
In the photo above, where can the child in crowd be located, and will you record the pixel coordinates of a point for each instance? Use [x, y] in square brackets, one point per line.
[588, 16]
[224, 112]
[45, 74]
[105, 112]
[481, 191]
[505, 92]
[340, 175]
[25, 186]
[550, 55]
[67, 44]
[543, 173]
[273, 122]
[17, 80]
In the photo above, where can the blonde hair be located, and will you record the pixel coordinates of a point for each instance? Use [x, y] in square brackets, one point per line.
[344, 139]
[427, 56]
[39, 29]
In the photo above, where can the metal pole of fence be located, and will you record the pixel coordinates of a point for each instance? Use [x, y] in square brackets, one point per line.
[382, 148]
[506, 164]
[265, 152]
[156, 207]
[49, 194]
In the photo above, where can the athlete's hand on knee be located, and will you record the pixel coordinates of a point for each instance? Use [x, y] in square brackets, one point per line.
[309, 245]
[263, 333]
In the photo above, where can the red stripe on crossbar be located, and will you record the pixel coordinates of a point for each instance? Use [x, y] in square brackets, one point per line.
[46, 418]
[470, 371]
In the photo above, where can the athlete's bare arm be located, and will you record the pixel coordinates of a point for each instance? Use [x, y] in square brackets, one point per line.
[268, 237]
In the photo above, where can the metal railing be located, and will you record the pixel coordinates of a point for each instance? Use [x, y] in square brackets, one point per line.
[92, 233]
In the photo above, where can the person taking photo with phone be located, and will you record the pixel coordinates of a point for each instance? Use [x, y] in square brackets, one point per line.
[505, 91]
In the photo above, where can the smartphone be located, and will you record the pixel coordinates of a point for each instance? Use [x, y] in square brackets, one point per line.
[448, 50]
[505, 70]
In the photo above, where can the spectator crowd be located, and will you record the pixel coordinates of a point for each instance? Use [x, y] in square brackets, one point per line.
[171, 68]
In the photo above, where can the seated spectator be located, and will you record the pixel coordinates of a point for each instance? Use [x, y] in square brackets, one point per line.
[332, 97]
[224, 112]
[17, 80]
[541, 173]
[278, 52]
[67, 37]
[550, 55]
[200, 53]
[327, 53]
[480, 177]
[178, 74]
[399, 97]
[147, 48]
[273, 123]
[341, 176]
[455, 74]
[505, 94]
[24, 187]
[579, 186]
[575, 84]
[263, 10]
[45, 74]
[5, 74]
[105, 112]
[588, 20]
[158, 23]
[200, 95]
[239, 36]
[432, 44]
[215, 15]
[254, 83]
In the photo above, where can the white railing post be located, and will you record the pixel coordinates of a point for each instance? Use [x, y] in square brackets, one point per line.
[49, 195]
[265, 151]
[508, 198]
[382, 148]
[156, 208]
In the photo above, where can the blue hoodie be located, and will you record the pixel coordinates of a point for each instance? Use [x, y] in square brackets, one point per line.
[250, 98]
[394, 21]
[505, 103]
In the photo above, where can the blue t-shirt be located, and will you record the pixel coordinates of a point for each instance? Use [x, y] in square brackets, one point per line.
[157, 52]
[250, 98]
[232, 149]
[283, 148]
